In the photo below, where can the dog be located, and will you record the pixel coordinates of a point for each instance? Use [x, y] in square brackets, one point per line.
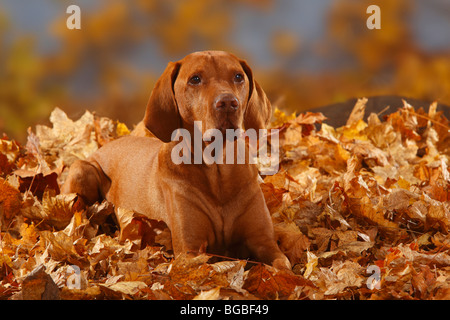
[217, 208]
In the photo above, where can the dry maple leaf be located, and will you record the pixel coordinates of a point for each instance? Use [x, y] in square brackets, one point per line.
[358, 111]
[37, 183]
[67, 140]
[340, 276]
[55, 211]
[123, 289]
[212, 294]
[135, 226]
[10, 151]
[266, 282]
[38, 285]
[10, 203]
[291, 241]
[310, 118]
[280, 118]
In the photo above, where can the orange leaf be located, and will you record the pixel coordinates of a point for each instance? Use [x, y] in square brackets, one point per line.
[267, 283]
[9, 202]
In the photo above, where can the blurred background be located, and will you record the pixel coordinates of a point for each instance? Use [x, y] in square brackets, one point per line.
[304, 53]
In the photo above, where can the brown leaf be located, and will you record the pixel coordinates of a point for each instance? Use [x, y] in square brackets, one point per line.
[90, 293]
[358, 111]
[291, 241]
[121, 290]
[186, 276]
[266, 283]
[310, 118]
[54, 211]
[37, 183]
[10, 151]
[10, 203]
[38, 285]
[340, 276]
[34, 149]
[61, 247]
[422, 282]
[272, 195]
[212, 294]
[135, 226]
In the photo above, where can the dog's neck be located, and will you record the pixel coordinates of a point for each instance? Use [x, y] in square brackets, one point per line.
[196, 147]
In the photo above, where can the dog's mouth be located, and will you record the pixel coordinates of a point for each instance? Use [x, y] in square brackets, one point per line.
[228, 121]
[227, 124]
[227, 128]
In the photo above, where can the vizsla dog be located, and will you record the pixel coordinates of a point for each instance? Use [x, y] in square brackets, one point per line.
[214, 207]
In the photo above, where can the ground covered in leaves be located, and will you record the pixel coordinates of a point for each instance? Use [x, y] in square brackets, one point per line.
[361, 211]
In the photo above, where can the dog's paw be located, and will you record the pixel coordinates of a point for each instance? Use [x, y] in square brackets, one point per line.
[282, 263]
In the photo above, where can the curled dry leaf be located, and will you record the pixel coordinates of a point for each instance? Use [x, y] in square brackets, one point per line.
[10, 203]
[291, 241]
[358, 111]
[38, 285]
[68, 140]
[138, 227]
[212, 294]
[340, 276]
[267, 283]
[121, 290]
[37, 183]
[56, 211]
[10, 152]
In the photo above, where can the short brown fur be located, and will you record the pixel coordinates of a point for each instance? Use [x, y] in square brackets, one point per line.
[219, 207]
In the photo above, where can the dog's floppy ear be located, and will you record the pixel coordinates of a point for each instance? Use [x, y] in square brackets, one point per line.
[259, 110]
[162, 116]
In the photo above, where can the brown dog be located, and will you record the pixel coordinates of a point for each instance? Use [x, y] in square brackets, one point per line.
[217, 207]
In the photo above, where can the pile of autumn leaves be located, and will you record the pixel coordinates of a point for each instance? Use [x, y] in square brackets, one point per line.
[361, 211]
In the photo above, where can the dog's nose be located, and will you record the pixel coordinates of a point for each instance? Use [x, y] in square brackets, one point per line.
[226, 102]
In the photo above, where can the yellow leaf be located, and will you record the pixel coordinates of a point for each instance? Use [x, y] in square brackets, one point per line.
[9, 202]
[5, 259]
[122, 129]
[402, 183]
[28, 233]
[313, 260]
[354, 131]
[281, 118]
[341, 154]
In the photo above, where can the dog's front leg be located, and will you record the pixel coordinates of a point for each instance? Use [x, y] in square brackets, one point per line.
[191, 230]
[255, 228]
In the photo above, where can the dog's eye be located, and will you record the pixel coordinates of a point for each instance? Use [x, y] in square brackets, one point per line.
[195, 80]
[239, 77]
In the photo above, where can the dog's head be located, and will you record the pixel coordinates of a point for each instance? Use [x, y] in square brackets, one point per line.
[213, 87]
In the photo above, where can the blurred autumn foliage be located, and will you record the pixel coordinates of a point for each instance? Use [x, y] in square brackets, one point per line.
[93, 68]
